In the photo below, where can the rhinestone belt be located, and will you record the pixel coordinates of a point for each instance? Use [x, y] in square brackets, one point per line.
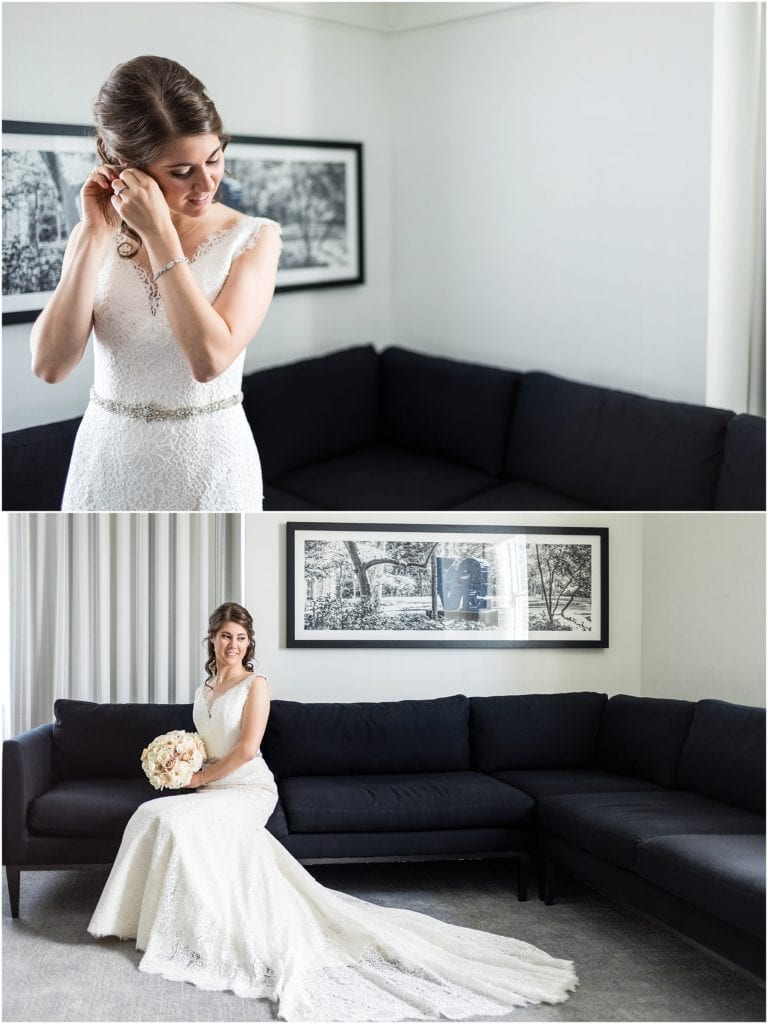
[151, 412]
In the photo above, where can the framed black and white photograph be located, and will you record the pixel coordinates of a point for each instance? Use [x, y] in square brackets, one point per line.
[313, 188]
[383, 585]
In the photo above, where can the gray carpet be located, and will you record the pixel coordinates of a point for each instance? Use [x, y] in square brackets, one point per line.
[629, 969]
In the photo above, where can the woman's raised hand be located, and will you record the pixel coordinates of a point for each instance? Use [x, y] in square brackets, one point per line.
[95, 197]
[139, 201]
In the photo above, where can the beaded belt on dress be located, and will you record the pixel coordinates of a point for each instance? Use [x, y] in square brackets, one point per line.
[150, 411]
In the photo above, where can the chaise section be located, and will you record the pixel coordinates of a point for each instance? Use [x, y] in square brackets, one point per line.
[611, 826]
[723, 875]
[544, 782]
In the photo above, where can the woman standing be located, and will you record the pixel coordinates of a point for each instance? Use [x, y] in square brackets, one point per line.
[174, 286]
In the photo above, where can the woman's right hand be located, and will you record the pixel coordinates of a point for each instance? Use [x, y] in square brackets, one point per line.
[96, 198]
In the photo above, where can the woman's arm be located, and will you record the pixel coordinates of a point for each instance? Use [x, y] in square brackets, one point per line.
[252, 728]
[61, 332]
[212, 336]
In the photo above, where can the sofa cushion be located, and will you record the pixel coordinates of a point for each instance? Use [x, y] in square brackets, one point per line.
[89, 808]
[724, 875]
[742, 474]
[384, 477]
[313, 409]
[367, 738]
[521, 496]
[724, 754]
[614, 449]
[98, 741]
[643, 736]
[276, 500]
[455, 410]
[35, 466]
[611, 825]
[435, 843]
[552, 782]
[534, 730]
[390, 803]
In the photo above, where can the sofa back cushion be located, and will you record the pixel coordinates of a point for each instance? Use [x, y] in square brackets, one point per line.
[313, 409]
[534, 730]
[724, 754]
[460, 411]
[367, 738]
[105, 741]
[742, 474]
[643, 737]
[613, 449]
[35, 464]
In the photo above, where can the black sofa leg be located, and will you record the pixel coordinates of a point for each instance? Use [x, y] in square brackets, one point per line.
[13, 875]
[547, 882]
[523, 866]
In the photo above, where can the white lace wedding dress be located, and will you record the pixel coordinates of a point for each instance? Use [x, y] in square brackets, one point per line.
[153, 438]
[212, 898]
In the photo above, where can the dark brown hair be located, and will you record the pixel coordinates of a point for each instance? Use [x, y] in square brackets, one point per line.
[144, 105]
[229, 612]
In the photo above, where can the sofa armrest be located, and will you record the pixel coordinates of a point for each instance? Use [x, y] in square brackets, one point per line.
[27, 773]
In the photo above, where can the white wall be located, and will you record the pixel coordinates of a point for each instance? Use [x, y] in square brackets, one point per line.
[704, 607]
[551, 181]
[396, 674]
[269, 74]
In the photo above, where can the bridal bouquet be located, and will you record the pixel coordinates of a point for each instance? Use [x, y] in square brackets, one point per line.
[170, 760]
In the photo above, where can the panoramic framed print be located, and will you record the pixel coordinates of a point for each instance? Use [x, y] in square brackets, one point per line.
[396, 585]
[313, 188]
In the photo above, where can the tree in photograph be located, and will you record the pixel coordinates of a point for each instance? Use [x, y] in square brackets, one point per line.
[560, 573]
[403, 555]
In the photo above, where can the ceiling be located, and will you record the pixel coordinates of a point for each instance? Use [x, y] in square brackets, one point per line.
[385, 17]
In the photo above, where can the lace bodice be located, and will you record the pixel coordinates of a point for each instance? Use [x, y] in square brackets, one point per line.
[218, 720]
[134, 361]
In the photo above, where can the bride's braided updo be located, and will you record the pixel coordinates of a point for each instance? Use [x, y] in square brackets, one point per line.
[144, 105]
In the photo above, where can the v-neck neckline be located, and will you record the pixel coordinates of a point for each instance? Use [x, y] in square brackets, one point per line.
[214, 236]
[210, 706]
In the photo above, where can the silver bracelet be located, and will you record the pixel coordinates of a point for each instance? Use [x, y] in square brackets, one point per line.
[202, 772]
[171, 263]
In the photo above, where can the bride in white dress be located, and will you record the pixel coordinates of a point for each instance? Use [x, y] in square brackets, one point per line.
[174, 286]
[212, 898]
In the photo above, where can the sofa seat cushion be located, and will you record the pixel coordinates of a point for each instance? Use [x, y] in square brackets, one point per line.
[543, 782]
[742, 474]
[611, 825]
[383, 476]
[534, 730]
[643, 453]
[276, 500]
[89, 808]
[724, 875]
[389, 803]
[520, 496]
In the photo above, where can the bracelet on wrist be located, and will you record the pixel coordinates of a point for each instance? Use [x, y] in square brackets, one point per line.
[171, 263]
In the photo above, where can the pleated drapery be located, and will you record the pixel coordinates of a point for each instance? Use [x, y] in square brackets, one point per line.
[113, 607]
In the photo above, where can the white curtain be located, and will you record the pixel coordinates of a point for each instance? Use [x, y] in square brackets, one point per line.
[736, 292]
[114, 607]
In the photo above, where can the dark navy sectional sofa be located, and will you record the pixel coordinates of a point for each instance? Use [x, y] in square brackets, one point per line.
[398, 430]
[658, 803]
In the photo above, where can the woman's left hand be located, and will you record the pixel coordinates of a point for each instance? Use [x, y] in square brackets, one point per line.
[139, 201]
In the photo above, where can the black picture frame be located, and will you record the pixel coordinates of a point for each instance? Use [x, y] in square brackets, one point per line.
[313, 187]
[446, 586]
